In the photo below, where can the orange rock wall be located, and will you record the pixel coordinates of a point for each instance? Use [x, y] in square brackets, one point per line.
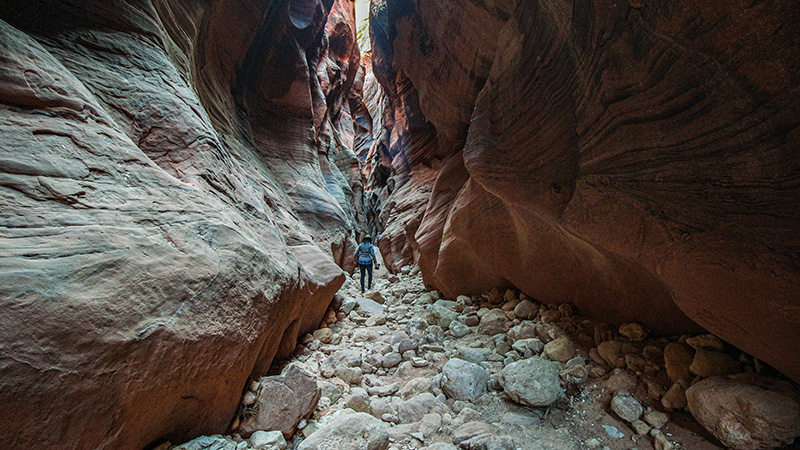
[638, 159]
[178, 192]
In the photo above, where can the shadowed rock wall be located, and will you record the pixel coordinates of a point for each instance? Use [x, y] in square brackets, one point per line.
[177, 185]
[638, 159]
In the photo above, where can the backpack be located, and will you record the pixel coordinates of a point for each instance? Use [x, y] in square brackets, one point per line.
[365, 252]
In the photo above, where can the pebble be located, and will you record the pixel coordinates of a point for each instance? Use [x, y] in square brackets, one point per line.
[560, 349]
[384, 391]
[392, 359]
[611, 352]
[613, 432]
[458, 329]
[352, 375]
[406, 345]
[528, 347]
[677, 359]
[640, 427]
[493, 322]
[324, 335]
[249, 398]
[626, 407]
[656, 419]
[711, 363]
[662, 442]
[473, 355]
[434, 333]
[391, 418]
[526, 309]
[264, 439]
[706, 342]
[358, 400]
[521, 419]
[593, 443]
[432, 348]
[634, 331]
[675, 397]
[419, 362]
[348, 305]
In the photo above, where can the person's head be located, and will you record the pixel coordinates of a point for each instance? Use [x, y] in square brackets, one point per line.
[368, 238]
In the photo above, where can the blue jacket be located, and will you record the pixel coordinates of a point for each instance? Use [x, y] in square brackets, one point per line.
[365, 253]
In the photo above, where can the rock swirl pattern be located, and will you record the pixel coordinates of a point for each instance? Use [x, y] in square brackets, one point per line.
[178, 193]
[636, 158]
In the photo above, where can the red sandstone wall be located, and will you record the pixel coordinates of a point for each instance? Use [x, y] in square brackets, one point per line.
[177, 185]
[638, 159]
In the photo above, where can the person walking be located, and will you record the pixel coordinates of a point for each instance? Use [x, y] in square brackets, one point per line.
[365, 257]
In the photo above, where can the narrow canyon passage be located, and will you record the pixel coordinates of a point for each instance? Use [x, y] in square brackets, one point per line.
[401, 368]
[585, 214]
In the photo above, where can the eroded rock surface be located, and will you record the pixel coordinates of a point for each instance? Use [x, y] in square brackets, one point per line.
[747, 412]
[637, 158]
[177, 180]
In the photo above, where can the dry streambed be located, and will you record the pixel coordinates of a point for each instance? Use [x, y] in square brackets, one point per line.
[401, 368]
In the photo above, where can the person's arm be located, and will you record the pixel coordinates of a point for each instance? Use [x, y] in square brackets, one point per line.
[355, 255]
[372, 253]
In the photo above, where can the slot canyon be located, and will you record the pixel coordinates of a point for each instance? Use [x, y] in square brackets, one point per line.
[586, 214]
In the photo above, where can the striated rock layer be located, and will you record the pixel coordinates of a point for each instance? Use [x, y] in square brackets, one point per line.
[177, 185]
[638, 159]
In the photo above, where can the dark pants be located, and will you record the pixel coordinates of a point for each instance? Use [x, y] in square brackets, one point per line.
[366, 268]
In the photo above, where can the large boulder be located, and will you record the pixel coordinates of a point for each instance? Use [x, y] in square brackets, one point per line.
[533, 382]
[493, 322]
[637, 159]
[171, 221]
[283, 401]
[463, 380]
[349, 430]
[746, 412]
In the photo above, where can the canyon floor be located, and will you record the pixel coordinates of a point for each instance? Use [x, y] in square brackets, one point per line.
[398, 368]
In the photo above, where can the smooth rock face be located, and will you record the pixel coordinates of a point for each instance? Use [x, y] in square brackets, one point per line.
[746, 412]
[562, 148]
[533, 382]
[175, 203]
[284, 401]
[349, 430]
[463, 380]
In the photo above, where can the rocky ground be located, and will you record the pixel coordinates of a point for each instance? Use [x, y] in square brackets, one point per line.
[401, 368]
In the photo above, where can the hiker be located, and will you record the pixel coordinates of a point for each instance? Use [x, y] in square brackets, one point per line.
[365, 257]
